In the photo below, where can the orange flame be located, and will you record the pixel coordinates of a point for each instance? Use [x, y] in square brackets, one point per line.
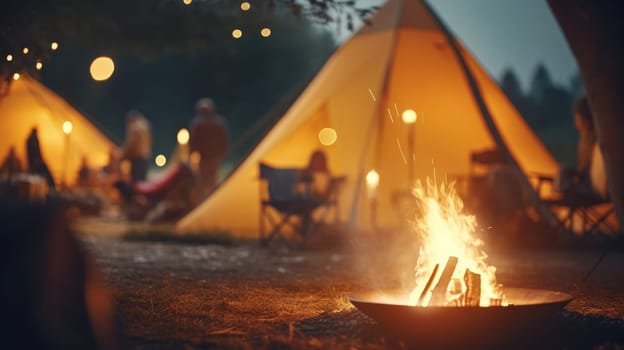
[444, 231]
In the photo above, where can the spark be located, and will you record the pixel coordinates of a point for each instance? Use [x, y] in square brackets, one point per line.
[401, 150]
[372, 95]
[390, 115]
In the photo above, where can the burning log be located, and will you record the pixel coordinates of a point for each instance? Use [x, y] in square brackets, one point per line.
[428, 285]
[472, 280]
[438, 296]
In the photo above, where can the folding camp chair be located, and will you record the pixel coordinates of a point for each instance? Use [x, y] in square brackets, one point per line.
[578, 212]
[285, 204]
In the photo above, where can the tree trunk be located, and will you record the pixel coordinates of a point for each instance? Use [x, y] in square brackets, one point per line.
[595, 32]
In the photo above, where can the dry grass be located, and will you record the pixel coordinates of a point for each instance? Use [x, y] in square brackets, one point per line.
[241, 296]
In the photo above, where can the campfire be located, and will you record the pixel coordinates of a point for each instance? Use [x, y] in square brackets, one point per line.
[452, 268]
[456, 299]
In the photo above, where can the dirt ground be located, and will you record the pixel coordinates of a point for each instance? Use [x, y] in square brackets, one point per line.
[242, 296]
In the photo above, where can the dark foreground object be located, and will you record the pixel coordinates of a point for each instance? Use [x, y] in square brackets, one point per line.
[530, 311]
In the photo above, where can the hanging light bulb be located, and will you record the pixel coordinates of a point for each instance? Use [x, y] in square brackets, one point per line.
[265, 32]
[237, 33]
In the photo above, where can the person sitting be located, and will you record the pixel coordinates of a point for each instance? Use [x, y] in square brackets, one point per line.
[167, 196]
[586, 182]
[315, 178]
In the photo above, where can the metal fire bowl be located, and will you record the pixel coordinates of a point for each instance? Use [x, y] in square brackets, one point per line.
[528, 315]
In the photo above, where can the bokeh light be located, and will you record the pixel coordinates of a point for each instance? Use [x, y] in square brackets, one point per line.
[245, 6]
[16, 76]
[54, 45]
[25, 51]
[187, 2]
[160, 160]
[183, 136]
[372, 178]
[237, 33]
[409, 116]
[327, 136]
[265, 32]
[38, 65]
[102, 68]
[67, 127]
[9, 58]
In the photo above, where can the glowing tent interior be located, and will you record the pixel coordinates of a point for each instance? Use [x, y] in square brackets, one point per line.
[404, 60]
[30, 104]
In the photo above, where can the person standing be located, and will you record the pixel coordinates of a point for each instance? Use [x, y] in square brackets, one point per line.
[138, 146]
[36, 164]
[209, 140]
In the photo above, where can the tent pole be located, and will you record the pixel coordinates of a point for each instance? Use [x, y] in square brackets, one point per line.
[487, 117]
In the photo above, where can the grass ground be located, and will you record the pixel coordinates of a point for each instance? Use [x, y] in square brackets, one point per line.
[176, 295]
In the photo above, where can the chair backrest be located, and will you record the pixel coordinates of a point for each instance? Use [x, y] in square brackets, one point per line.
[282, 182]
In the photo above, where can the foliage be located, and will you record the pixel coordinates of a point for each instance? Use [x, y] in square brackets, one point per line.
[547, 108]
[144, 27]
[245, 77]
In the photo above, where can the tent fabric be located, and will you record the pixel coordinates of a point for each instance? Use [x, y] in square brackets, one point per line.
[30, 104]
[402, 60]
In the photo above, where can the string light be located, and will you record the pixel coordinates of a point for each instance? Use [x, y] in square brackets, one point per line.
[237, 33]
[38, 65]
[25, 51]
[245, 6]
[9, 58]
[16, 76]
[265, 32]
[54, 45]
[102, 68]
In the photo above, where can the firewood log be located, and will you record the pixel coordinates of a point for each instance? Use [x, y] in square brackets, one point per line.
[428, 285]
[438, 296]
[472, 281]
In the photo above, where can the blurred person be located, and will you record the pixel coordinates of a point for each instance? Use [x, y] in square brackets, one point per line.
[138, 146]
[316, 176]
[209, 140]
[85, 174]
[36, 163]
[11, 165]
[588, 180]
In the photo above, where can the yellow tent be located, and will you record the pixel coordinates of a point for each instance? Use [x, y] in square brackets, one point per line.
[29, 104]
[404, 60]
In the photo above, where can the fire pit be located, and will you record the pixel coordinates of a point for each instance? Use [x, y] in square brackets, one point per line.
[456, 301]
[527, 313]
